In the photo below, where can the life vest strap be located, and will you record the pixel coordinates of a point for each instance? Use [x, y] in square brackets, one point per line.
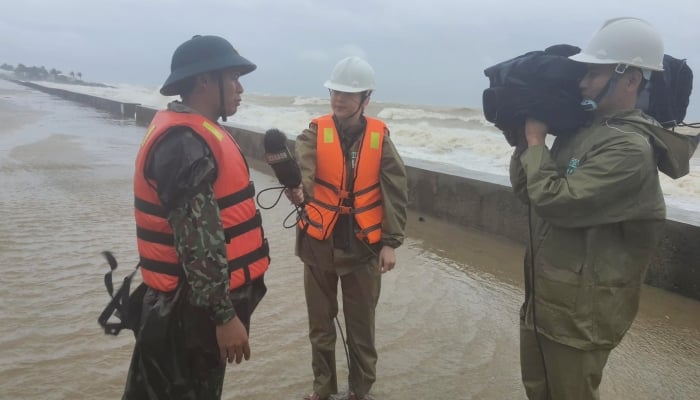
[240, 196]
[333, 208]
[343, 194]
[367, 207]
[329, 207]
[162, 267]
[235, 264]
[249, 258]
[308, 221]
[225, 202]
[366, 190]
[150, 208]
[364, 234]
[155, 237]
[243, 227]
[168, 240]
[347, 209]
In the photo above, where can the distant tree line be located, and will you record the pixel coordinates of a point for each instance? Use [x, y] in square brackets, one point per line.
[33, 73]
[21, 71]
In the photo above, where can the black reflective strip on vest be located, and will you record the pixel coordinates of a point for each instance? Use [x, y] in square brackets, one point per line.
[327, 185]
[366, 190]
[245, 260]
[238, 197]
[329, 207]
[162, 267]
[243, 227]
[372, 228]
[150, 208]
[155, 237]
[365, 208]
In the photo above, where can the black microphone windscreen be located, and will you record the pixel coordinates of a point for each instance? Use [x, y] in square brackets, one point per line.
[280, 159]
[274, 141]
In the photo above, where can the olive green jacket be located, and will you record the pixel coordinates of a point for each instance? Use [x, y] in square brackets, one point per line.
[597, 216]
[393, 185]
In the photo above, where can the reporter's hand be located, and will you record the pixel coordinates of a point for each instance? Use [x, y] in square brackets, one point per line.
[295, 195]
[233, 341]
[535, 132]
[387, 259]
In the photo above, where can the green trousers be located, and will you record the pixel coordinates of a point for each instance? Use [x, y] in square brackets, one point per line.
[572, 374]
[360, 288]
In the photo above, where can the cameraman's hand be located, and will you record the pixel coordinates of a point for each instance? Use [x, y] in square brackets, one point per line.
[233, 341]
[535, 132]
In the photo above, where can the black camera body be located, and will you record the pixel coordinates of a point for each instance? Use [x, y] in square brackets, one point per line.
[538, 84]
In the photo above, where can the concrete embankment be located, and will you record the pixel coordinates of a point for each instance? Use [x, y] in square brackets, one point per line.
[467, 198]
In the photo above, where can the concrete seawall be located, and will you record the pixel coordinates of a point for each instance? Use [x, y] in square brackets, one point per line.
[467, 198]
[123, 110]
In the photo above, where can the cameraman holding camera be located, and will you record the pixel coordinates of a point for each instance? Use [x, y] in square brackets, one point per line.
[597, 214]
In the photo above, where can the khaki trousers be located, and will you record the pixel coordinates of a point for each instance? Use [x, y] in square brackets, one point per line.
[360, 288]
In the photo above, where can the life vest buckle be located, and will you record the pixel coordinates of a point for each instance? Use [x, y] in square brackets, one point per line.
[344, 209]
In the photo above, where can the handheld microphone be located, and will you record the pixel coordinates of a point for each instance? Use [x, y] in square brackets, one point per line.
[277, 155]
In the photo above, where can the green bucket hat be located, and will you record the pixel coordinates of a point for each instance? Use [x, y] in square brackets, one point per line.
[203, 54]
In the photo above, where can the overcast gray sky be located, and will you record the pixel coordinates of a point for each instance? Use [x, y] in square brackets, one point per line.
[429, 52]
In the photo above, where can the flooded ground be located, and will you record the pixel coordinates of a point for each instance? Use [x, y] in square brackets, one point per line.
[446, 321]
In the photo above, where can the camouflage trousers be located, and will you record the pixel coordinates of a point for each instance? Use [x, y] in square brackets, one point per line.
[176, 355]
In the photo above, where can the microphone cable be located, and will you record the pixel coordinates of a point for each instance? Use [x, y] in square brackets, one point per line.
[299, 212]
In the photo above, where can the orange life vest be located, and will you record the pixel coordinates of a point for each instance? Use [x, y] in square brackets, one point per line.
[246, 248]
[334, 195]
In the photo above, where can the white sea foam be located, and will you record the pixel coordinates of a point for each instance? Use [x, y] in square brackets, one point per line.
[291, 120]
[455, 136]
[306, 101]
[399, 114]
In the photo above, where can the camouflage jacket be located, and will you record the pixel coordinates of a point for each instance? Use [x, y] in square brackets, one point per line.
[184, 169]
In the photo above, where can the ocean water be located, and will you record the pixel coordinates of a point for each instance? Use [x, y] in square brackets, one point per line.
[453, 136]
[447, 318]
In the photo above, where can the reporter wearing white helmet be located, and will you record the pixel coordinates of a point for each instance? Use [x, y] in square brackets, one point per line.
[597, 215]
[355, 189]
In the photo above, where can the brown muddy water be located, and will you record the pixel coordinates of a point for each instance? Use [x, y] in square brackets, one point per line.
[446, 320]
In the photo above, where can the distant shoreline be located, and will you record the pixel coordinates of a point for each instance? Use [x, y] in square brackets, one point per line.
[77, 82]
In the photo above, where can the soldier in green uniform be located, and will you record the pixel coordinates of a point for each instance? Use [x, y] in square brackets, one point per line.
[354, 183]
[189, 330]
[597, 214]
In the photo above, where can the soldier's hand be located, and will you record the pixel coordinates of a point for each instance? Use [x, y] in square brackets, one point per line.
[387, 259]
[233, 341]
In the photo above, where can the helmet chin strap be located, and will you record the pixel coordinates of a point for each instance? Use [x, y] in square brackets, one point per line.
[360, 108]
[592, 104]
[222, 101]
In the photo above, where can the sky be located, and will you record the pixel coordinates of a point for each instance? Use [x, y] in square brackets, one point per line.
[423, 52]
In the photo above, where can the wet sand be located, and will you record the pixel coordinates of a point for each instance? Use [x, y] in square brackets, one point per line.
[446, 320]
[12, 116]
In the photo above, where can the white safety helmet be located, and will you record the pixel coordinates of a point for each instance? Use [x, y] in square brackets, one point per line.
[351, 75]
[626, 41]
